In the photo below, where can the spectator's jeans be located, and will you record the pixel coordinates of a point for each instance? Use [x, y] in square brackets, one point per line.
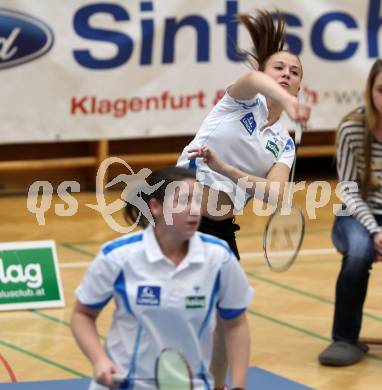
[356, 245]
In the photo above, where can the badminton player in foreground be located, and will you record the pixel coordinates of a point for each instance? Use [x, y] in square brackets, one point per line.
[168, 282]
[246, 131]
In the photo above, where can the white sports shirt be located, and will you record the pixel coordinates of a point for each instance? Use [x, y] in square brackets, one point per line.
[160, 305]
[232, 128]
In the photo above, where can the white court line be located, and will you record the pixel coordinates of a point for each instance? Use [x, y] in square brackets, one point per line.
[245, 255]
[304, 252]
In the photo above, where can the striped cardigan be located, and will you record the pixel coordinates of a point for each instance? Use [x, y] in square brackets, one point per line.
[350, 168]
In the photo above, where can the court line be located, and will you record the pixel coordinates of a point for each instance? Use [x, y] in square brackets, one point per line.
[247, 233]
[301, 330]
[8, 368]
[288, 325]
[82, 242]
[303, 293]
[78, 250]
[43, 359]
[49, 317]
[55, 319]
[303, 252]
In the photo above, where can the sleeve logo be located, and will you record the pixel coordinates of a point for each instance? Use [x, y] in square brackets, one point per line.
[273, 148]
[289, 145]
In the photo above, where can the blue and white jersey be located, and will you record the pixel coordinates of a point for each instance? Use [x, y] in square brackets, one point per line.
[161, 305]
[232, 128]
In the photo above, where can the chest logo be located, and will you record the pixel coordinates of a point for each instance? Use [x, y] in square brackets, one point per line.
[148, 295]
[249, 123]
[273, 148]
[195, 302]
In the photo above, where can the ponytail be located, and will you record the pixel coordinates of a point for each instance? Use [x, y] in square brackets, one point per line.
[267, 34]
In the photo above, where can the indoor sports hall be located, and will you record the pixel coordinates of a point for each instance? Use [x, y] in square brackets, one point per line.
[93, 93]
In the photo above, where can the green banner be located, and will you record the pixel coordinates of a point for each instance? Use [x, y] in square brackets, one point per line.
[29, 276]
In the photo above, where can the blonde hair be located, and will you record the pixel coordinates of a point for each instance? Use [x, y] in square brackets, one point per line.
[367, 116]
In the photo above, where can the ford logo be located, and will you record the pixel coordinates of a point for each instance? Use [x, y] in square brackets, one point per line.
[23, 38]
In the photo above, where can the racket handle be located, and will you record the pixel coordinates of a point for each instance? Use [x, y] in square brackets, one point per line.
[302, 98]
[298, 133]
[118, 378]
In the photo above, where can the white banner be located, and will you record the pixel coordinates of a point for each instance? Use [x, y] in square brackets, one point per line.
[84, 70]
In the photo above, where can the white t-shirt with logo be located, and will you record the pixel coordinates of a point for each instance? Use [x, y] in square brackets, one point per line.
[232, 128]
[159, 305]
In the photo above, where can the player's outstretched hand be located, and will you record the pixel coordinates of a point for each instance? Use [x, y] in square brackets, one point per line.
[377, 239]
[297, 111]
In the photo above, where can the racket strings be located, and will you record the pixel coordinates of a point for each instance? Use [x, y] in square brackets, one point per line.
[283, 238]
[172, 372]
[284, 232]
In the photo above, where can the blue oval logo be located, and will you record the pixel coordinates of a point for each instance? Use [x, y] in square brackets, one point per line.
[23, 38]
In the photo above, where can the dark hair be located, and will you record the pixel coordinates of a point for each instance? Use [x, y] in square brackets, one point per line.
[267, 33]
[168, 175]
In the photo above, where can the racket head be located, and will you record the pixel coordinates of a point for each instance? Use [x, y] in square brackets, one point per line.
[172, 371]
[283, 236]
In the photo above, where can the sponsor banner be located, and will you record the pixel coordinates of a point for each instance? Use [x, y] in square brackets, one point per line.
[29, 276]
[86, 70]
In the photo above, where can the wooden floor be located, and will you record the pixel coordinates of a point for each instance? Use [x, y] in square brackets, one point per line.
[290, 318]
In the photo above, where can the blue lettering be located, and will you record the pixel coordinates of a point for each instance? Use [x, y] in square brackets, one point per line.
[83, 29]
[226, 24]
[231, 31]
[294, 43]
[317, 37]
[374, 24]
[148, 30]
[203, 37]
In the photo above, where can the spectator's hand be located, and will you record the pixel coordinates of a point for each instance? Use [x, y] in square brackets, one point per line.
[377, 240]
